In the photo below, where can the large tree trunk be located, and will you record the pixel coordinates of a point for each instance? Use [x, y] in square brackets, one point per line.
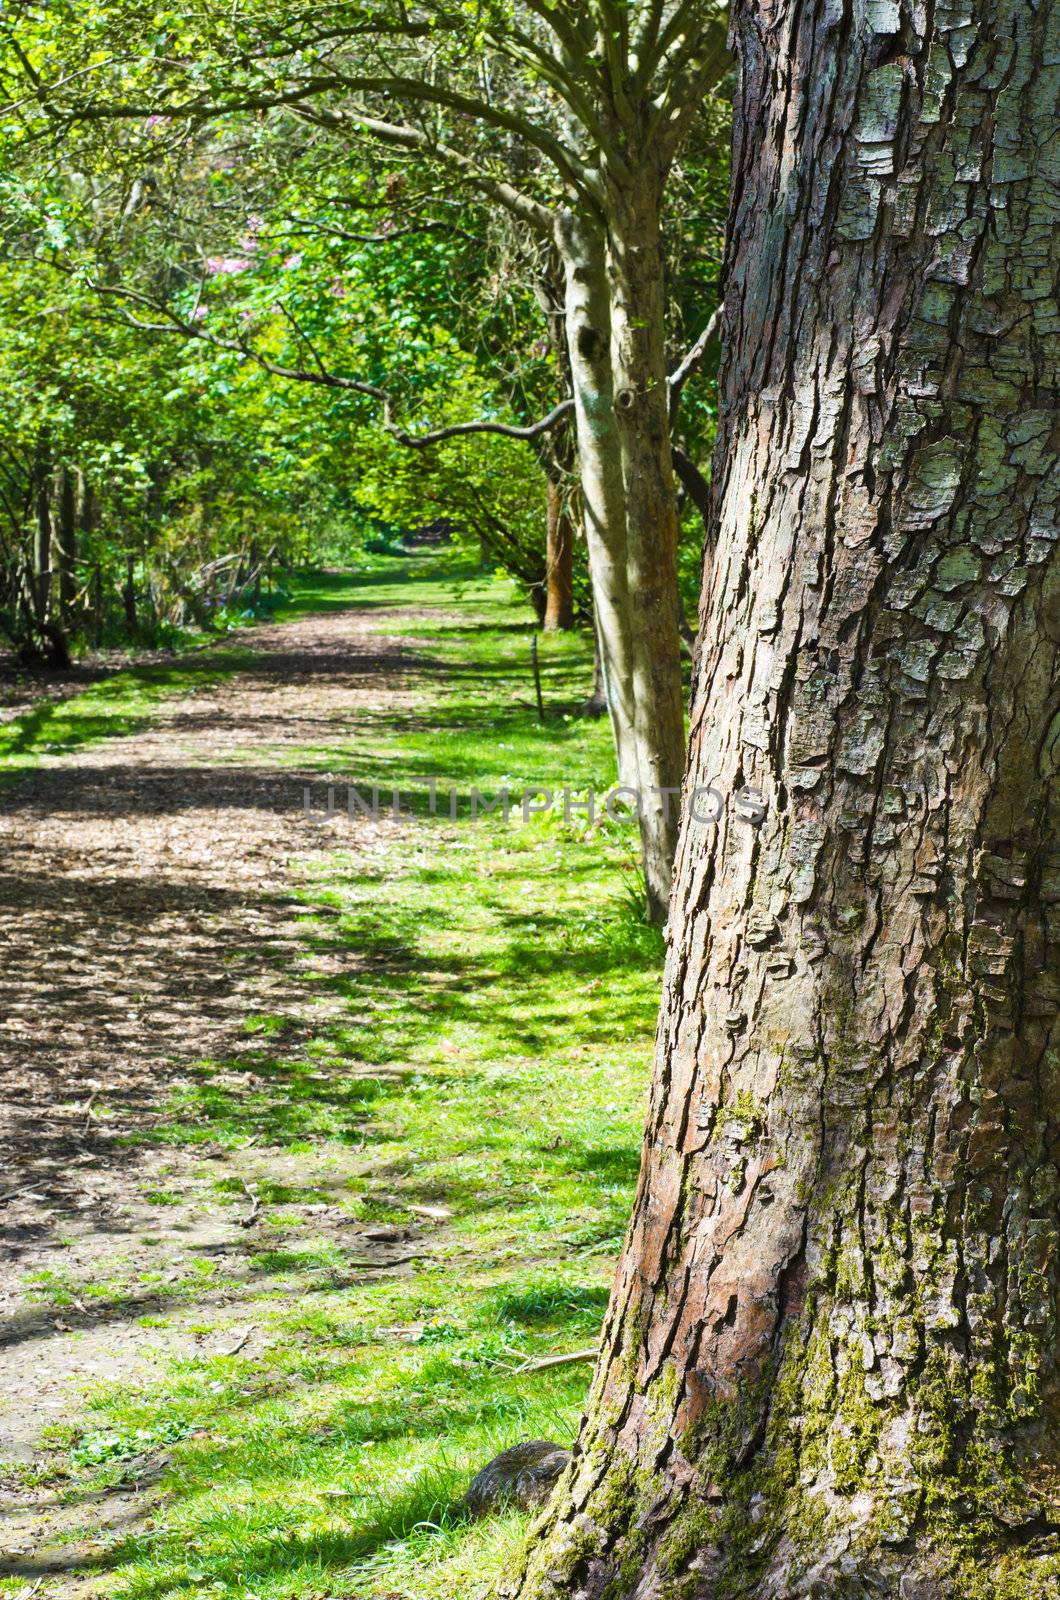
[614, 336]
[830, 1361]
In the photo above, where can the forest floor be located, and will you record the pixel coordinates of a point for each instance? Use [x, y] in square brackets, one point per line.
[312, 1127]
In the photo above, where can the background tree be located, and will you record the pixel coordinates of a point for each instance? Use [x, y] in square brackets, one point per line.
[830, 1359]
[603, 96]
[109, 241]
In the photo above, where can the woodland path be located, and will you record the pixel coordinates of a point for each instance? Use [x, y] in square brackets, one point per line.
[153, 895]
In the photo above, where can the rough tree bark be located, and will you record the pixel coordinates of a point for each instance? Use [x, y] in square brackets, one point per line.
[829, 1364]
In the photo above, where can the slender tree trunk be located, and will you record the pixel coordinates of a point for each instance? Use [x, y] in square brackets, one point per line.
[559, 560]
[582, 249]
[64, 542]
[128, 593]
[46, 630]
[97, 606]
[557, 456]
[596, 705]
[42, 553]
[539, 600]
[643, 422]
[614, 335]
[829, 1365]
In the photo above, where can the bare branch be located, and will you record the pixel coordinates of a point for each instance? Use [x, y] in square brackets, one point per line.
[692, 482]
[646, 35]
[689, 362]
[566, 162]
[694, 66]
[542, 1365]
[508, 430]
[523, 206]
[303, 225]
[192, 330]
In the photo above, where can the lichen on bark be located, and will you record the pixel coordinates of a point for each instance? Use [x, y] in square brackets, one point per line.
[830, 1360]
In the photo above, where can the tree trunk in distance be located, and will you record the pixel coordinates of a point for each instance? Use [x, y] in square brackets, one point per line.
[97, 606]
[65, 541]
[614, 336]
[559, 559]
[587, 307]
[128, 593]
[596, 705]
[42, 553]
[47, 635]
[642, 411]
[539, 600]
[829, 1365]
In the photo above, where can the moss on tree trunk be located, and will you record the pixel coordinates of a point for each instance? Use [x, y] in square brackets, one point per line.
[830, 1361]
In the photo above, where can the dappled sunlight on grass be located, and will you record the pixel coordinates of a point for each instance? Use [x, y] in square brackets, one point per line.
[470, 1082]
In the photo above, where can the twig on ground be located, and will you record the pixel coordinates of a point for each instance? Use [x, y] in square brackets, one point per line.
[13, 1194]
[90, 1115]
[233, 1349]
[559, 1361]
[255, 1205]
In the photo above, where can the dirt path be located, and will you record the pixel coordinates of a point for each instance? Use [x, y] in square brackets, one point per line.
[147, 908]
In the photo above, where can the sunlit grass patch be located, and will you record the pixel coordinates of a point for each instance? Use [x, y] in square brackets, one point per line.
[474, 1086]
[118, 706]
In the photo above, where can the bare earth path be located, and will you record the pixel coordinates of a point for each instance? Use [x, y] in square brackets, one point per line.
[146, 897]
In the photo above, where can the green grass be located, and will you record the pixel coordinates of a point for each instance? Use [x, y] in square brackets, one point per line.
[477, 1068]
[117, 706]
[128, 700]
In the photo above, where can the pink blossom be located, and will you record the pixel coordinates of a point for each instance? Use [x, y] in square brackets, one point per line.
[199, 314]
[152, 122]
[338, 288]
[294, 260]
[216, 265]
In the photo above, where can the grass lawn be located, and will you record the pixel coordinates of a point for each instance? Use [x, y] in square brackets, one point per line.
[479, 1076]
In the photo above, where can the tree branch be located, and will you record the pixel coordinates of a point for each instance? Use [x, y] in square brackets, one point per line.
[688, 364]
[203, 108]
[694, 66]
[523, 206]
[572, 1356]
[566, 162]
[508, 430]
[191, 330]
[692, 482]
[690, 361]
[303, 225]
